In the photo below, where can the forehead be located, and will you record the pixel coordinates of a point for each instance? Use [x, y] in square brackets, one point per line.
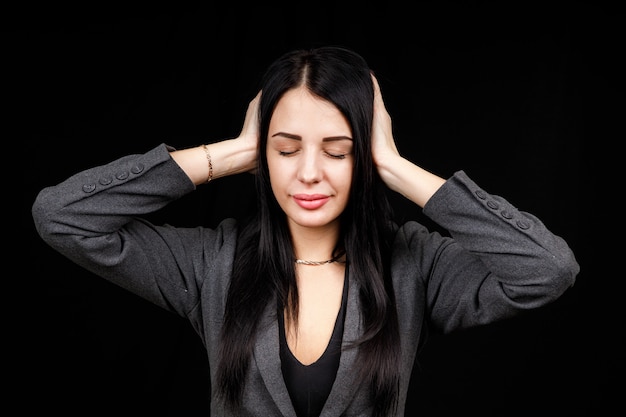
[299, 109]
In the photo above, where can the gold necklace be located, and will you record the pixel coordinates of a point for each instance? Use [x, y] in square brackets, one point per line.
[317, 263]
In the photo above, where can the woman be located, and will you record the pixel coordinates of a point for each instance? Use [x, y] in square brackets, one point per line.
[318, 303]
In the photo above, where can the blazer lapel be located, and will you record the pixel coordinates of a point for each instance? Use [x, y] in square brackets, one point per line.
[345, 387]
[267, 356]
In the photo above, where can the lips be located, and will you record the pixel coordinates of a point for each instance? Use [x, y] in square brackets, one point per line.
[311, 201]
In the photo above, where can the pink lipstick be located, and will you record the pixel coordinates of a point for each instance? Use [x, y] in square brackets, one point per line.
[311, 201]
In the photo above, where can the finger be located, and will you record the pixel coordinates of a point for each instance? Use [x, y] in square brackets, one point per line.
[376, 86]
[378, 96]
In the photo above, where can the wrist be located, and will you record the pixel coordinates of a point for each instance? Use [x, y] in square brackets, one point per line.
[231, 156]
[209, 162]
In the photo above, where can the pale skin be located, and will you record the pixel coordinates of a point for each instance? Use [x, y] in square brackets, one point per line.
[309, 155]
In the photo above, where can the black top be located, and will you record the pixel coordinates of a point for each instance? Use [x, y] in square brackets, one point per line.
[310, 385]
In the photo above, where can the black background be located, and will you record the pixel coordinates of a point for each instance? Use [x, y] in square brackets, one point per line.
[525, 97]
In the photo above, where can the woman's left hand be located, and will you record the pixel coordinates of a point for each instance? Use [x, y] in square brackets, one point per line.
[383, 144]
[398, 173]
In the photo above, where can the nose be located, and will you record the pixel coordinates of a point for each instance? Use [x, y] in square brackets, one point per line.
[309, 169]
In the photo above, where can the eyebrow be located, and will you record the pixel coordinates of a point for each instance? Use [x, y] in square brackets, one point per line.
[298, 137]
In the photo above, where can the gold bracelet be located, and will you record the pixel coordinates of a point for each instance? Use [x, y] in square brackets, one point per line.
[208, 158]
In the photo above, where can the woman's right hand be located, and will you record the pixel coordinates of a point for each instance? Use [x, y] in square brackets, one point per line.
[250, 131]
[227, 157]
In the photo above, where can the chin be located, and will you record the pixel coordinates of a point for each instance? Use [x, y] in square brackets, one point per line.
[312, 221]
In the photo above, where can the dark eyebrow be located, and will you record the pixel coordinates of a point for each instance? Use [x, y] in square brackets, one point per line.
[298, 137]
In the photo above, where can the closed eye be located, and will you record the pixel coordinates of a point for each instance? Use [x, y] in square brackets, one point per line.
[336, 156]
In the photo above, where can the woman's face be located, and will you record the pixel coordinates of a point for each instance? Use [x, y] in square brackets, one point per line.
[309, 155]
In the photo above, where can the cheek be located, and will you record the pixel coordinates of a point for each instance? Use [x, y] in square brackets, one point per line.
[278, 176]
[342, 184]
[345, 181]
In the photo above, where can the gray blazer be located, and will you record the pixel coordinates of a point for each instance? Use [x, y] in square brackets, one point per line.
[496, 262]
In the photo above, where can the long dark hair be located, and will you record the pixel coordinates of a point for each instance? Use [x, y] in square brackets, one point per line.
[264, 270]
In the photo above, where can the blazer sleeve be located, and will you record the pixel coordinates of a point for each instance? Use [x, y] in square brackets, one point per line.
[96, 218]
[496, 262]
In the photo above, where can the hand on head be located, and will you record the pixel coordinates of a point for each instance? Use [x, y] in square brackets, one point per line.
[383, 144]
[250, 129]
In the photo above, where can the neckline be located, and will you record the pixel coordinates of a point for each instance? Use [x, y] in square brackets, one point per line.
[335, 338]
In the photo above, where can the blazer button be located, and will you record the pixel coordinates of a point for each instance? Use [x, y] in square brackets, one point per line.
[106, 180]
[524, 225]
[480, 194]
[137, 168]
[89, 188]
[492, 205]
[121, 175]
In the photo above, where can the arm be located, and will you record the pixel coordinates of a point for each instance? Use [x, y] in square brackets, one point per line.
[97, 218]
[498, 261]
